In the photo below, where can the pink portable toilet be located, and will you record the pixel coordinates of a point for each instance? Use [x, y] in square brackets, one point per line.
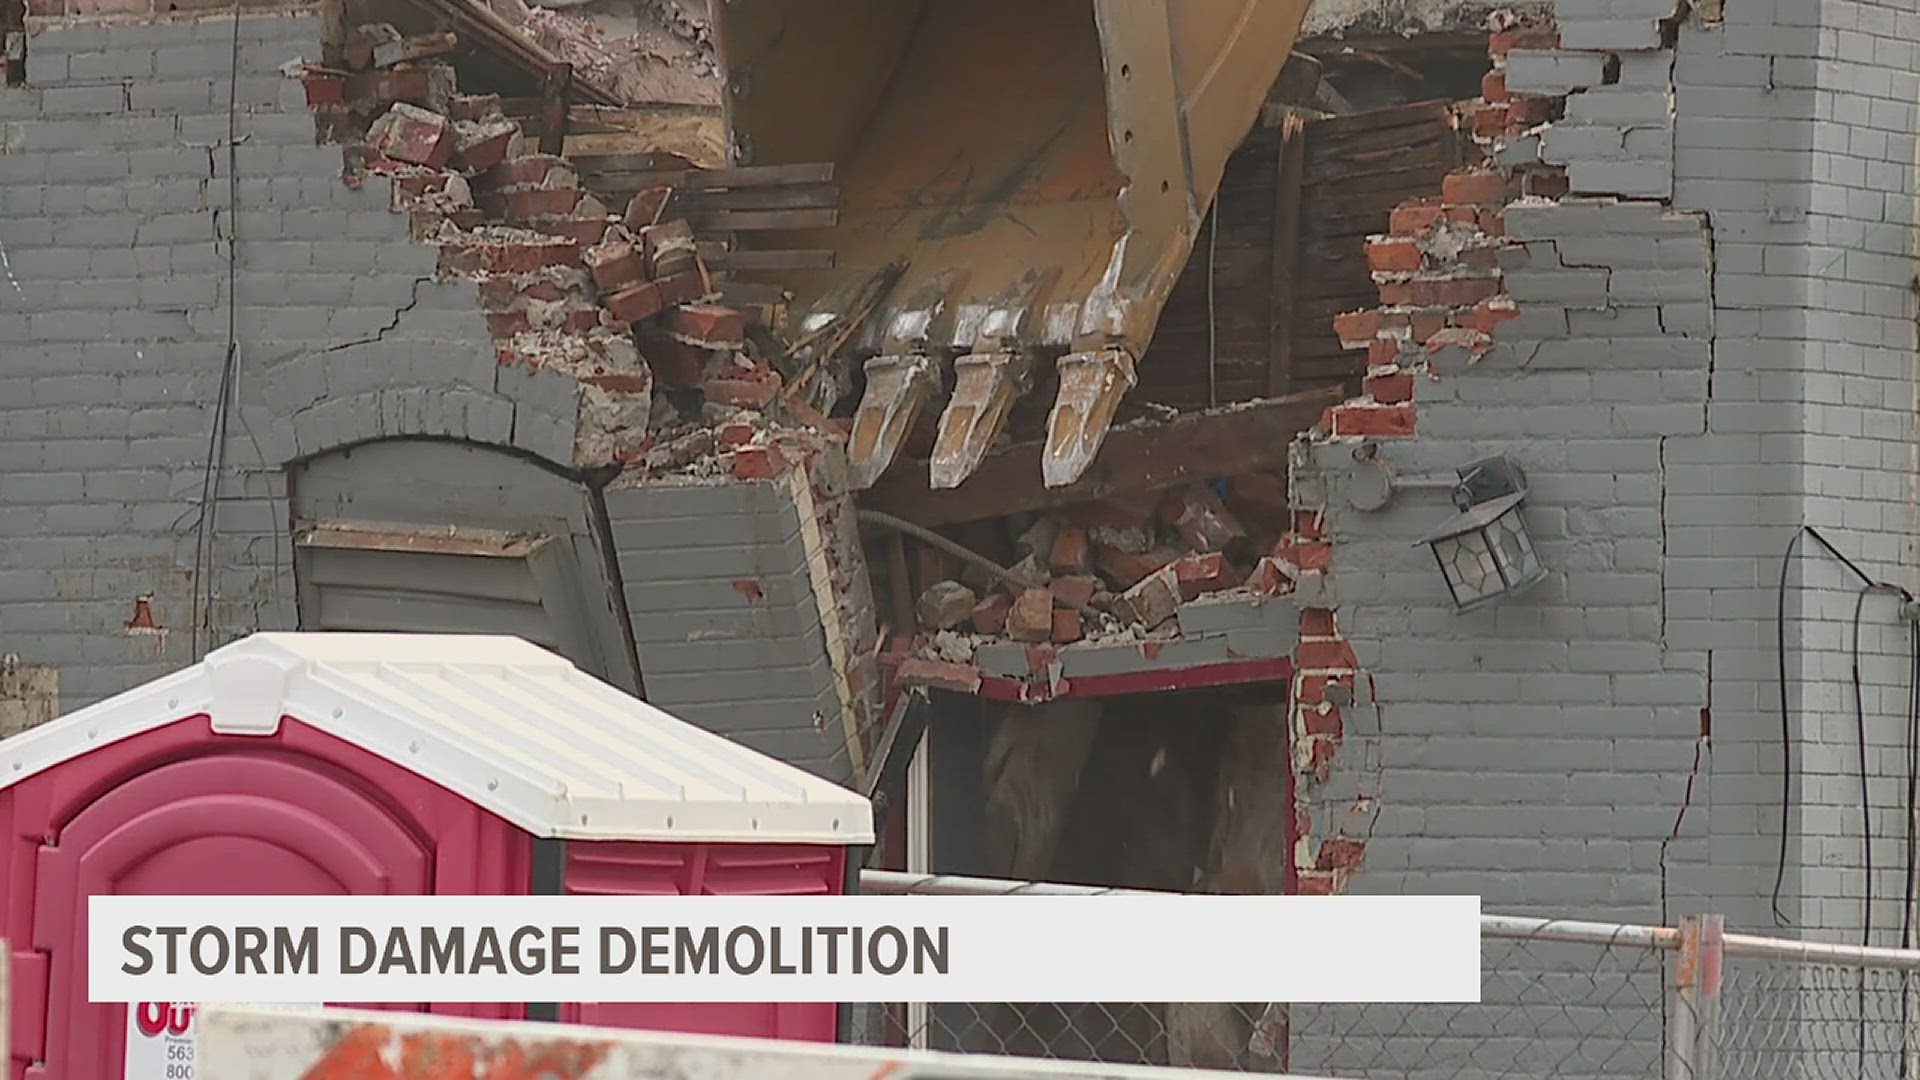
[348, 764]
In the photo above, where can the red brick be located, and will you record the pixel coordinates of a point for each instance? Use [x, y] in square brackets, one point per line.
[509, 323]
[1489, 120]
[1479, 258]
[1316, 883]
[1031, 617]
[1268, 578]
[1308, 524]
[1395, 293]
[1317, 622]
[1305, 555]
[1391, 389]
[1200, 519]
[944, 605]
[665, 243]
[754, 390]
[1075, 590]
[527, 205]
[1522, 37]
[1203, 573]
[1383, 352]
[639, 303]
[1325, 722]
[1324, 655]
[1412, 218]
[485, 149]
[1548, 185]
[677, 364]
[1485, 317]
[1312, 689]
[1528, 111]
[616, 266]
[1479, 188]
[1356, 328]
[412, 134]
[519, 257]
[381, 87]
[1393, 255]
[1126, 568]
[1493, 86]
[1339, 853]
[1426, 322]
[1069, 553]
[681, 288]
[325, 90]
[1154, 599]
[758, 463]
[1381, 422]
[1066, 626]
[940, 674]
[644, 208]
[1492, 222]
[990, 615]
[708, 324]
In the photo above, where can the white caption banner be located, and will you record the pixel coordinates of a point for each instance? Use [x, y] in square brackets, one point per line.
[784, 948]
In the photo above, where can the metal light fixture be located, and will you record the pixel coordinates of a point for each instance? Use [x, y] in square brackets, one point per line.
[1484, 551]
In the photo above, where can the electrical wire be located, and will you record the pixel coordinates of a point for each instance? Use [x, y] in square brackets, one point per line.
[1786, 717]
[207, 534]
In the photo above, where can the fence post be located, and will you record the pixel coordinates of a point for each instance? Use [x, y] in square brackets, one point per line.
[1696, 1014]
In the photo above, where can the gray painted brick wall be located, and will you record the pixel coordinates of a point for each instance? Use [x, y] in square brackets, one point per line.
[725, 617]
[115, 225]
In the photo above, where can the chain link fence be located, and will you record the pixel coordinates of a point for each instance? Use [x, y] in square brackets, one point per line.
[1567, 999]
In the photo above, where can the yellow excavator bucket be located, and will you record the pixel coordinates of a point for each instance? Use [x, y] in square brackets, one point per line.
[1040, 167]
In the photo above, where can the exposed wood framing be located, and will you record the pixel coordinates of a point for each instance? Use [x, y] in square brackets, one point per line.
[480, 27]
[553, 110]
[1137, 458]
[1286, 254]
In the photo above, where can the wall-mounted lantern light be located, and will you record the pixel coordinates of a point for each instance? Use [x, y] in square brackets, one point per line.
[1484, 551]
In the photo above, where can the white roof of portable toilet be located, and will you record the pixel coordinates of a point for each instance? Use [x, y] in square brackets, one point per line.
[510, 726]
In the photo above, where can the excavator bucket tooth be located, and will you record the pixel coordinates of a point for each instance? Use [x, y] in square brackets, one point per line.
[985, 387]
[897, 389]
[1091, 386]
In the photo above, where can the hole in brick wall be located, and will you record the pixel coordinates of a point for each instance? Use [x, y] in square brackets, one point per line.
[1610, 70]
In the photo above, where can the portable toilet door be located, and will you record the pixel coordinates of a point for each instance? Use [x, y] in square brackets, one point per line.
[358, 764]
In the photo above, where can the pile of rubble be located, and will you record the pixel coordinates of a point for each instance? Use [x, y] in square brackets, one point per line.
[617, 301]
[1122, 568]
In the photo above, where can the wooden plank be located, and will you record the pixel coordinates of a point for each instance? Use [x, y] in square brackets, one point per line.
[553, 112]
[1286, 257]
[763, 220]
[709, 179]
[750, 292]
[797, 259]
[1136, 458]
[793, 197]
[1418, 112]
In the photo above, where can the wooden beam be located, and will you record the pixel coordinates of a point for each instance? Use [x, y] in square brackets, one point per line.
[1136, 458]
[1286, 255]
[720, 257]
[559, 87]
[708, 179]
[785, 197]
[762, 220]
[479, 26]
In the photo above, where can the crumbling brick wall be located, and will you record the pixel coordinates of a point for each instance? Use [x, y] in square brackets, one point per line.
[1694, 334]
[423, 277]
